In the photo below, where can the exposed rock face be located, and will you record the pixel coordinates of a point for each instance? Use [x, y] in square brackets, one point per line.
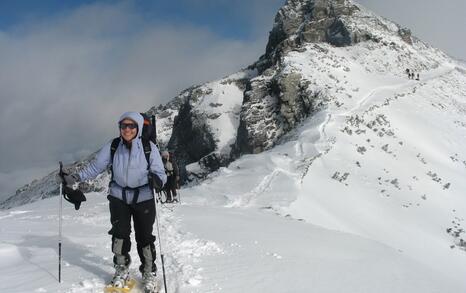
[258, 112]
[310, 21]
[405, 35]
[205, 124]
[275, 101]
[272, 106]
[191, 138]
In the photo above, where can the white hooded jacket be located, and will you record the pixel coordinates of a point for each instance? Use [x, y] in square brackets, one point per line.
[130, 169]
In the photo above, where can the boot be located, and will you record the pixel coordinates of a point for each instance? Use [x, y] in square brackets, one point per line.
[148, 268]
[121, 264]
[149, 282]
[121, 276]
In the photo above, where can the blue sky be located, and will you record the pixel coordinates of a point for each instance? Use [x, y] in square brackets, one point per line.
[68, 69]
[439, 22]
[239, 19]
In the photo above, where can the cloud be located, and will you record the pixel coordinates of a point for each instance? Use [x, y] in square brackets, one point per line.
[65, 80]
[256, 15]
[440, 23]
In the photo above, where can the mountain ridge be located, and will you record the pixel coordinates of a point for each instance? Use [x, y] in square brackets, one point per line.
[265, 96]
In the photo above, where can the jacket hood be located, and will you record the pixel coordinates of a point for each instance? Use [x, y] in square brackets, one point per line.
[136, 117]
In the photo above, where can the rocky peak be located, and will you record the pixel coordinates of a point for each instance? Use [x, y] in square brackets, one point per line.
[304, 21]
[279, 98]
[336, 22]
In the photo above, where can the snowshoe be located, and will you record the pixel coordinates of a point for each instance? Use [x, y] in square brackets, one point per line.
[129, 285]
[121, 282]
[150, 282]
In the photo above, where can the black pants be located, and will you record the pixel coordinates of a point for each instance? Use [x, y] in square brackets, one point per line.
[170, 188]
[143, 215]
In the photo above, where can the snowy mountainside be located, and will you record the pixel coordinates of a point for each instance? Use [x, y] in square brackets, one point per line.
[215, 100]
[221, 104]
[47, 186]
[384, 160]
[203, 128]
[279, 98]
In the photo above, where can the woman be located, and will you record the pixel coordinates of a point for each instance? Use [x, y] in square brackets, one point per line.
[130, 196]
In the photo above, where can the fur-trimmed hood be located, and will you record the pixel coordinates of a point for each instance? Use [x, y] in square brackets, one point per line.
[136, 117]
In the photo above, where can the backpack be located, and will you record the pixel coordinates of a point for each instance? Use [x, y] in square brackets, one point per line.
[149, 135]
[149, 129]
[169, 168]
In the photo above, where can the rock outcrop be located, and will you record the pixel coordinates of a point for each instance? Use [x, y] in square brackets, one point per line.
[310, 21]
[275, 101]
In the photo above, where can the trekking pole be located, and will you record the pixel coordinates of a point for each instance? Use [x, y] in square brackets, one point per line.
[60, 223]
[160, 241]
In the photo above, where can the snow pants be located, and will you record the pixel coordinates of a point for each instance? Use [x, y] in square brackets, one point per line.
[143, 215]
[170, 188]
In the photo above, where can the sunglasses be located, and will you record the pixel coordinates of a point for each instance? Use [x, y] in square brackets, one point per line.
[128, 125]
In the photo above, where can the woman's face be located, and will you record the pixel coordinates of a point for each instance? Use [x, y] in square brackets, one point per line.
[128, 129]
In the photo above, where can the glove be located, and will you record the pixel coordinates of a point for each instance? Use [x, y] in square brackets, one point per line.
[68, 179]
[155, 183]
[73, 196]
[71, 179]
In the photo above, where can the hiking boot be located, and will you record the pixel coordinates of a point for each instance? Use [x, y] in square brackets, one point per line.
[121, 276]
[149, 282]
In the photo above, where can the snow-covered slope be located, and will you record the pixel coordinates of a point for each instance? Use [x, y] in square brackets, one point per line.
[206, 249]
[384, 160]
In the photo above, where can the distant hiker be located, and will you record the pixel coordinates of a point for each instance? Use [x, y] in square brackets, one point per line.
[407, 71]
[417, 77]
[136, 168]
[173, 176]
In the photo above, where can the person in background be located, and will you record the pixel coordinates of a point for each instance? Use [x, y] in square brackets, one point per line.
[173, 177]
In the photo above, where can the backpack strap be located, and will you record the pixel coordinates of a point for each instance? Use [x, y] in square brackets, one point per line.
[116, 143]
[145, 144]
[113, 148]
[147, 151]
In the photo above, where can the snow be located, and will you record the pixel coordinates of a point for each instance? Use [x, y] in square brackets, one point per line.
[218, 100]
[165, 125]
[223, 104]
[207, 249]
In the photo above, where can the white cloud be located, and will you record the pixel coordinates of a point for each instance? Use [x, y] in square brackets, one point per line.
[64, 81]
[440, 23]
